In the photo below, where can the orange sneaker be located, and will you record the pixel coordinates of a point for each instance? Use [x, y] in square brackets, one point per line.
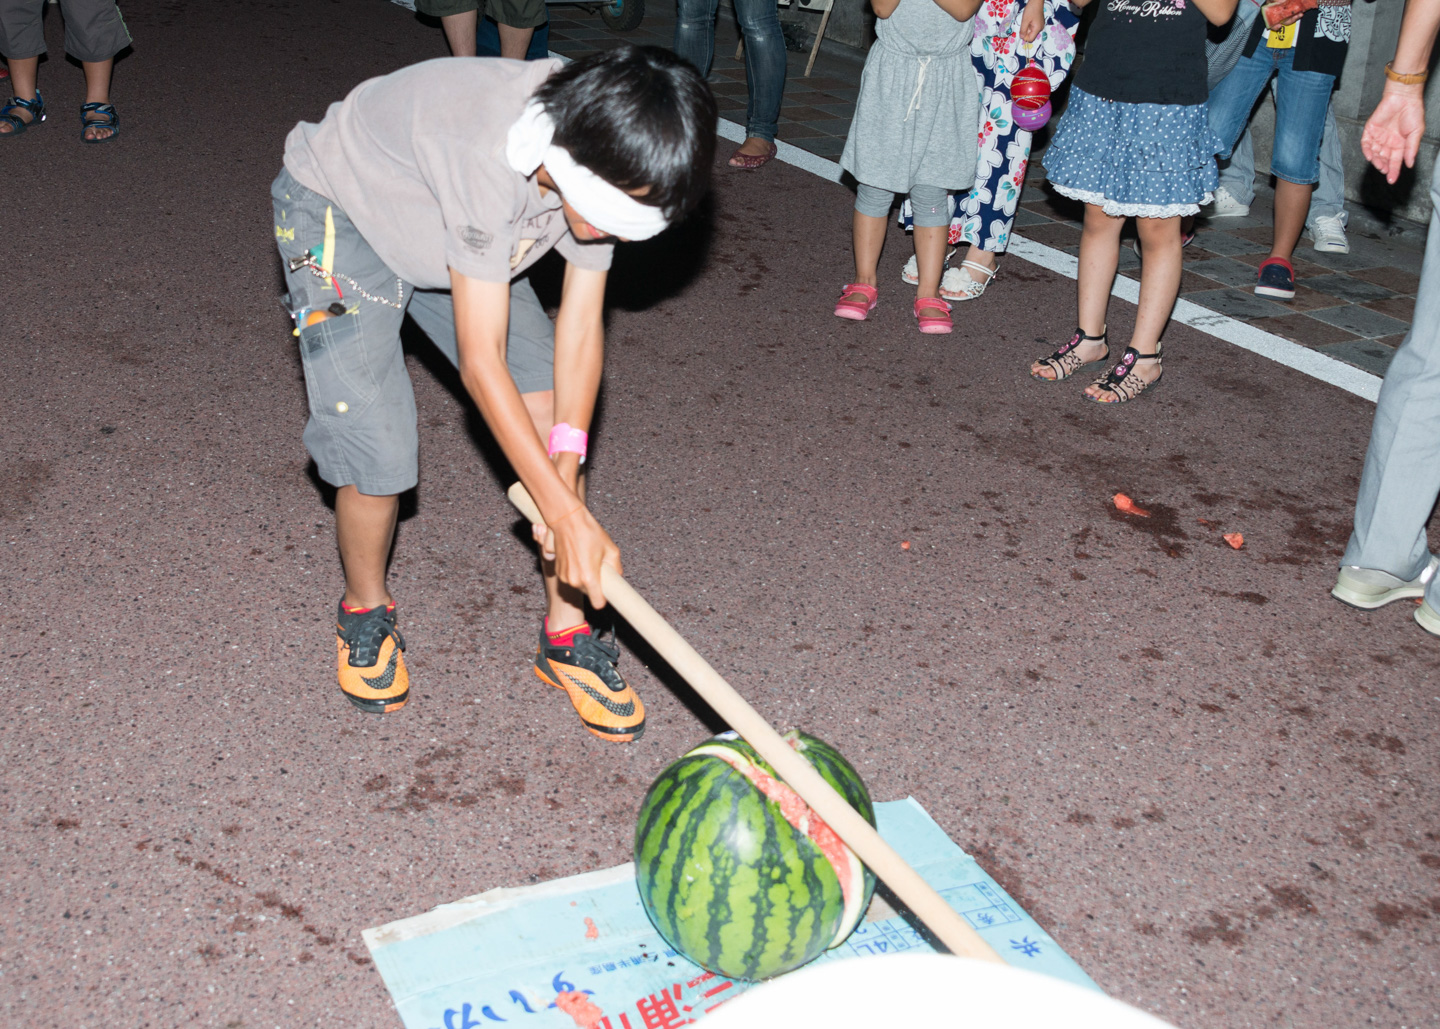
[584, 667]
[372, 670]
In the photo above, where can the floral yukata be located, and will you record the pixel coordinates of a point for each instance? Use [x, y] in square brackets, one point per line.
[984, 216]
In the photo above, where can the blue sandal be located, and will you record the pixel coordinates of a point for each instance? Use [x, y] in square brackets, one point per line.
[108, 119]
[18, 125]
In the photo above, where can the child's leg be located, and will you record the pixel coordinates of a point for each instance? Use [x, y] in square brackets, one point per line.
[931, 210]
[871, 219]
[364, 532]
[1099, 260]
[1292, 204]
[1159, 286]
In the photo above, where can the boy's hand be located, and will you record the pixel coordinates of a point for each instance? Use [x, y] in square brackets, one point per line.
[1032, 22]
[579, 546]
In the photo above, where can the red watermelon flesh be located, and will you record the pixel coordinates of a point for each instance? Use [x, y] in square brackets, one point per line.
[849, 869]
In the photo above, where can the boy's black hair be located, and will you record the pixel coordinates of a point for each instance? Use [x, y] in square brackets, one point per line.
[637, 116]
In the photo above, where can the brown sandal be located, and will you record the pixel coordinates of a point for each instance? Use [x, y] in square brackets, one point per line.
[1065, 362]
[1120, 385]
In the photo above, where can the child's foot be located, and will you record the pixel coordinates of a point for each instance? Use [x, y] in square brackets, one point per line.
[933, 314]
[1070, 357]
[372, 670]
[856, 301]
[967, 282]
[582, 665]
[1276, 278]
[1131, 376]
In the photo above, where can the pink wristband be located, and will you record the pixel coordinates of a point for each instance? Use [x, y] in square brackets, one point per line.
[564, 438]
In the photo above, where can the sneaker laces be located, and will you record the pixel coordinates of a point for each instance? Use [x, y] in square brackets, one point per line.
[599, 656]
[368, 633]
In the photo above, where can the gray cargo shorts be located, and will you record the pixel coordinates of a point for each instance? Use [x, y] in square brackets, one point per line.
[361, 430]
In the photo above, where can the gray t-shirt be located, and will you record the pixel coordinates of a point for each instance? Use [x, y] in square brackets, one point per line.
[416, 160]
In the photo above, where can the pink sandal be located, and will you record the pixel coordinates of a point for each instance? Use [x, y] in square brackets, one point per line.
[933, 324]
[856, 301]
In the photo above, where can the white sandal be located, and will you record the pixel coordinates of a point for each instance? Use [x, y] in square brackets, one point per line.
[956, 285]
[910, 275]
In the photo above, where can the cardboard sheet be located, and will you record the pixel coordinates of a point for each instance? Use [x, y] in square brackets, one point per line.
[506, 955]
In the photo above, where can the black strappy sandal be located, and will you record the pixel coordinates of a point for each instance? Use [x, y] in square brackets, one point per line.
[1065, 362]
[1120, 385]
[108, 119]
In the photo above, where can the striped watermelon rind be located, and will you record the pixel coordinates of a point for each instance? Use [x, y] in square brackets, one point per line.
[736, 872]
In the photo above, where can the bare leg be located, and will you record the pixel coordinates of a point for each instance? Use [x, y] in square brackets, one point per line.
[460, 32]
[364, 529]
[1292, 203]
[1099, 259]
[930, 258]
[514, 42]
[1159, 286]
[97, 91]
[564, 605]
[23, 71]
[869, 238]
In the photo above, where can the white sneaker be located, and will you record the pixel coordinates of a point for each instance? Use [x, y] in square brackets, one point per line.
[1328, 234]
[1370, 588]
[1226, 206]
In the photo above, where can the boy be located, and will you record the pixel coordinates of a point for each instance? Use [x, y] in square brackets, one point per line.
[397, 204]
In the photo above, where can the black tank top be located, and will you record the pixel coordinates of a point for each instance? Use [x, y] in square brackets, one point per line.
[1145, 52]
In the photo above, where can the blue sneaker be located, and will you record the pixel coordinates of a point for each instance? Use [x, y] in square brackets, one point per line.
[1277, 279]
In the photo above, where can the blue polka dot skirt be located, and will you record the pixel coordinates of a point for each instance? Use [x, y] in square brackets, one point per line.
[1134, 160]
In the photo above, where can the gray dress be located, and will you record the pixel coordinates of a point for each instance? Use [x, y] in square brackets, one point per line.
[918, 116]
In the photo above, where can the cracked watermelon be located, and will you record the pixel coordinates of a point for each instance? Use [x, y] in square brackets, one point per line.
[734, 869]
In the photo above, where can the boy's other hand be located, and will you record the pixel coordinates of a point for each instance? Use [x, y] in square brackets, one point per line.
[579, 546]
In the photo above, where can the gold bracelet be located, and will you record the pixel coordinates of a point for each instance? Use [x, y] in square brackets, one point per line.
[1405, 78]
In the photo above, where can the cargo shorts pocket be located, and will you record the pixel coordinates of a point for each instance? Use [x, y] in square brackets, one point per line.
[341, 376]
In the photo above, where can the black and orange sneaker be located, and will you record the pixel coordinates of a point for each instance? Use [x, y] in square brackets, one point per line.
[583, 665]
[372, 670]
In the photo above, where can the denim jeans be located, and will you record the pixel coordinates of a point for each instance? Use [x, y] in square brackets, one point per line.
[1238, 174]
[764, 54]
[1301, 100]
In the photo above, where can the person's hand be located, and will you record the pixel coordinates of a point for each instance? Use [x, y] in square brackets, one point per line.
[1392, 135]
[578, 546]
[1032, 22]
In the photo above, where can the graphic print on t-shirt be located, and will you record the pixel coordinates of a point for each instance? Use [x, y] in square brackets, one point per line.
[1148, 8]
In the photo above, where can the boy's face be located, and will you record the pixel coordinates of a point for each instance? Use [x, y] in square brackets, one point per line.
[580, 228]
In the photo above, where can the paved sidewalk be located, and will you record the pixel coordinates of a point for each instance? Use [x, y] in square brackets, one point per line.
[1355, 307]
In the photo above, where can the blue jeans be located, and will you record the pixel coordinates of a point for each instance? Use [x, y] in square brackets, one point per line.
[1301, 100]
[1238, 174]
[764, 54]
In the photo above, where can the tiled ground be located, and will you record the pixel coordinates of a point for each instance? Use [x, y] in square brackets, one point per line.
[1355, 307]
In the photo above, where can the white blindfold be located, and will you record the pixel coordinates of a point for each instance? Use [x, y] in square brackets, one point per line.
[608, 208]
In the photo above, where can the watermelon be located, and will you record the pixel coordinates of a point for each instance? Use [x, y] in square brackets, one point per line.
[734, 869]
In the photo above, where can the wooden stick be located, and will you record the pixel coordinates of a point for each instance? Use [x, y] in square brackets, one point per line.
[824, 20]
[857, 833]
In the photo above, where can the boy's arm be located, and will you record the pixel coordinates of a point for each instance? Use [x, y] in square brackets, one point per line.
[482, 316]
[884, 8]
[960, 10]
[1217, 12]
[579, 356]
